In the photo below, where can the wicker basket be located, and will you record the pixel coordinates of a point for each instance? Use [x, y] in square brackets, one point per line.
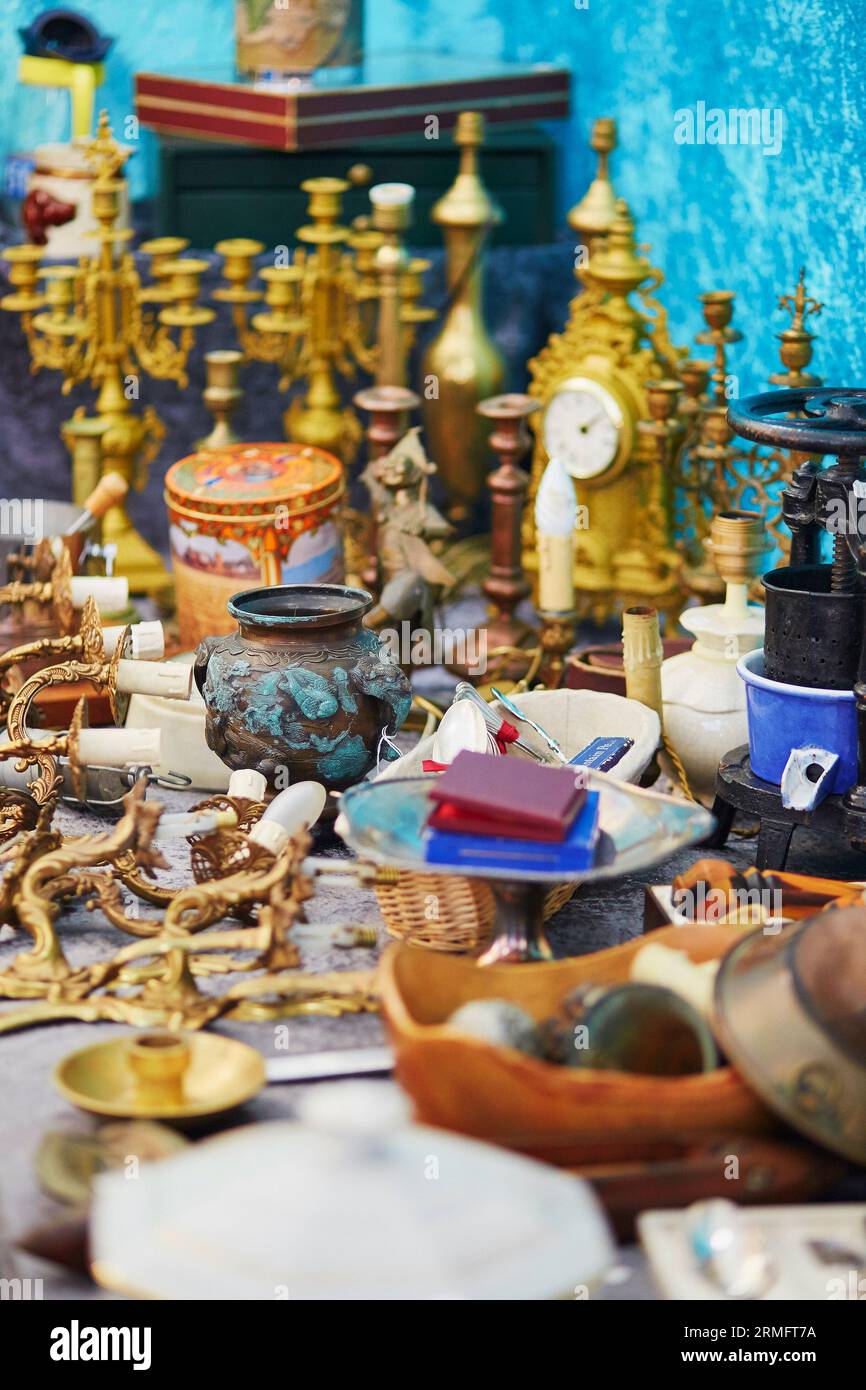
[456, 914]
[444, 913]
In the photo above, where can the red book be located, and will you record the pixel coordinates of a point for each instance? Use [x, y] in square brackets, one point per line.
[480, 794]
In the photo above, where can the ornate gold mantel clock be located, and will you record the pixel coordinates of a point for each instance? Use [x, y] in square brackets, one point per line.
[590, 380]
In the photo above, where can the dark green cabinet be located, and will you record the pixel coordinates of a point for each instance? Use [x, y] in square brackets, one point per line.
[208, 192]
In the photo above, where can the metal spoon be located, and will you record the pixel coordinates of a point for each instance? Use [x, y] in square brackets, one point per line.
[542, 733]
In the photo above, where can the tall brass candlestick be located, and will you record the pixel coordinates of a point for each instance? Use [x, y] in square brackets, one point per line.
[392, 212]
[462, 365]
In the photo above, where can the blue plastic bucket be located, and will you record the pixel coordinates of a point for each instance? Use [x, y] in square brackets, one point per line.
[783, 717]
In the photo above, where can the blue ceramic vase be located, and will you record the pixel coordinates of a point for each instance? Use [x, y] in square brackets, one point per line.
[302, 689]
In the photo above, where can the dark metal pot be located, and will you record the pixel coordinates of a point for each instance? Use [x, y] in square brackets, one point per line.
[812, 635]
[302, 689]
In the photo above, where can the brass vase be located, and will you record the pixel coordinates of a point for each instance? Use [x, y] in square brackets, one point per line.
[462, 366]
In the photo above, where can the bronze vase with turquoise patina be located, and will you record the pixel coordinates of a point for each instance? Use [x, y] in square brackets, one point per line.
[302, 689]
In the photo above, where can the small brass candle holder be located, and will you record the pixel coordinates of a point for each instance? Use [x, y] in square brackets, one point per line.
[221, 395]
[718, 306]
[556, 639]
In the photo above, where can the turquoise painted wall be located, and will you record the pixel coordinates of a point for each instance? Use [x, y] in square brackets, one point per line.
[714, 215]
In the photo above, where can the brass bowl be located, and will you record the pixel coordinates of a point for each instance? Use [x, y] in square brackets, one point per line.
[161, 1076]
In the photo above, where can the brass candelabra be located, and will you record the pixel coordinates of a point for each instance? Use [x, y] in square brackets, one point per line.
[345, 300]
[710, 469]
[96, 321]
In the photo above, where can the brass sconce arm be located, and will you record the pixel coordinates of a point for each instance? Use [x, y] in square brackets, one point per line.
[48, 878]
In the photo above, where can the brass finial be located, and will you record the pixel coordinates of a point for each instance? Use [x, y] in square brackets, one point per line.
[615, 266]
[104, 153]
[467, 202]
[796, 340]
[593, 215]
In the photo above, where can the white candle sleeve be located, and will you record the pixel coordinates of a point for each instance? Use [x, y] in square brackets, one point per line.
[248, 783]
[182, 823]
[270, 835]
[555, 573]
[111, 595]
[555, 520]
[119, 747]
[167, 678]
[147, 639]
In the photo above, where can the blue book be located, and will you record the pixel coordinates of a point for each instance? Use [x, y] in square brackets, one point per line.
[572, 855]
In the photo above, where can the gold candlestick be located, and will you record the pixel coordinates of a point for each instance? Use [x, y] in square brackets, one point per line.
[91, 323]
[221, 396]
[462, 365]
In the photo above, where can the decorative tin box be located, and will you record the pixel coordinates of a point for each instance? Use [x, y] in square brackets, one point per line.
[247, 515]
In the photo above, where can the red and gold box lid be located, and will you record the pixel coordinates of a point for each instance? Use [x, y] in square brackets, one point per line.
[388, 94]
[254, 480]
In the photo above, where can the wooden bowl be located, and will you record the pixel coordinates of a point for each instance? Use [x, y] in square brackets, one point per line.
[564, 1115]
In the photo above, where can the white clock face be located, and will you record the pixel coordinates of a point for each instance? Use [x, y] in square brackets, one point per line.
[583, 428]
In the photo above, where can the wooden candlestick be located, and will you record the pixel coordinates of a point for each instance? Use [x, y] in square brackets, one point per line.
[388, 408]
[506, 584]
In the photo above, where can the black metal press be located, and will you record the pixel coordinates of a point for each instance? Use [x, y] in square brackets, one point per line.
[815, 635]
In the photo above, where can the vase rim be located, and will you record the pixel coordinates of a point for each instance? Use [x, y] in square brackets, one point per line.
[314, 605]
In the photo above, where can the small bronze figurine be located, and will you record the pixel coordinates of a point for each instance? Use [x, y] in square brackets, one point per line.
[411, 577]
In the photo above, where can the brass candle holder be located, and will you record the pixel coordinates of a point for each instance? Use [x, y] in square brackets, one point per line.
[62, 592]
[119, 673]
[221, 395]
[316, 326]
[152, 981]
[710, 469]
[700, 457]
[555, 639]
[92, 323]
